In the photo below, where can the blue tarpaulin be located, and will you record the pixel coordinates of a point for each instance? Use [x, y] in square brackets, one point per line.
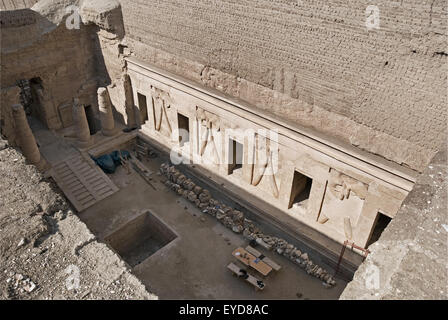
[109, 162]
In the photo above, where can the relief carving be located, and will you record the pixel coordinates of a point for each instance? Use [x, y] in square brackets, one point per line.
[264, 165]
[162, 101]
[209, 125]
[340, 186]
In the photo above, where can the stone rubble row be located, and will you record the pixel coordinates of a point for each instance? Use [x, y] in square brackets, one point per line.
[235, 220]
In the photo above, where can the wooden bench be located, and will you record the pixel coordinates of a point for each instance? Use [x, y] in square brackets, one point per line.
[242, 273]
[263, 258]
[250, 260]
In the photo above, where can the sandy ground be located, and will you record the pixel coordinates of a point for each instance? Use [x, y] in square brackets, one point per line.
[193, 266]
[46, 252]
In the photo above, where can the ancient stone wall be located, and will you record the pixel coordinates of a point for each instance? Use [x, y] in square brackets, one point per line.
[66, 62]
[409, 261]
[273, 162]
[313, 63]
[61, 62]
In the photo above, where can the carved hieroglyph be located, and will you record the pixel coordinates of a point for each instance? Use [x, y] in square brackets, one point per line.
[209, 126]
[162, 102]
[26, 139]
[343, 202]
[264, 164]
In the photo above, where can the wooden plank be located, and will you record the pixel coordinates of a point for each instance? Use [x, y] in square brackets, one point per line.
[252, 261]
[83, 184]
[263, 258]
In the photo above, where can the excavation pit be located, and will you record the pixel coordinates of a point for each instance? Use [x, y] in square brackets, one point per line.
[140, 238]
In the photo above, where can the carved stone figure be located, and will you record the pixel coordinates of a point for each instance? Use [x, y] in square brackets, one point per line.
[162, 101]
[264, 166]
[209, 126]
[340, 186]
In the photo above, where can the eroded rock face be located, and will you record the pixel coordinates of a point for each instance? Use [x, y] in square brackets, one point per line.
[104, 13]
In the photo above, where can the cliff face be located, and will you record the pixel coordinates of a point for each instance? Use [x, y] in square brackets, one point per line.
[314, 63]
[409, 261]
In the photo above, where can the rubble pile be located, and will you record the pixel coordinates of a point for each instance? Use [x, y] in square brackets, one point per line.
[19, 283]
[235, 220]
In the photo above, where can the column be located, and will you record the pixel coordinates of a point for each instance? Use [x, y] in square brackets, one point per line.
[27, 142]
[129, 101]
[81, 124]
[106, 113]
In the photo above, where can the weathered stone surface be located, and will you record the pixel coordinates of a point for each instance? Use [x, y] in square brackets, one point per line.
[409, 261]
[366, 109]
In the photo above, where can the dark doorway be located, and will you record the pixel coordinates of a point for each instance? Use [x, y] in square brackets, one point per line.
[382, 221]
[235, 155]
[91, 119]
[184, 129]
[301, 188]
[31, 98]
[143, 107]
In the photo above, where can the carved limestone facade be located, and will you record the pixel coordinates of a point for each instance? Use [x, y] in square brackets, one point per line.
[307, 179]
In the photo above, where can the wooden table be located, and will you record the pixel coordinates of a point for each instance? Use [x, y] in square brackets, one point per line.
[265, 259]
[252, 261]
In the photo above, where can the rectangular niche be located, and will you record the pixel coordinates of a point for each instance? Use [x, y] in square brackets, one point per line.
[140, 238]
[91, 120]
[184, 129]
[143, 107]
[300, 191]
[235, 156]
[381, 222]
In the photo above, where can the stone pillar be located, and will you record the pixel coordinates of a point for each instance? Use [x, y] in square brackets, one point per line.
[26, 139]
[129, 101]
[81, 124]
[106, 114]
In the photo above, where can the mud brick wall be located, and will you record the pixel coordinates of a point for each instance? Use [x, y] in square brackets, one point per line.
[313, 63]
